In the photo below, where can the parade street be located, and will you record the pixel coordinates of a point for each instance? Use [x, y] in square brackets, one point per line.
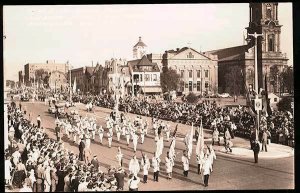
[229, 171]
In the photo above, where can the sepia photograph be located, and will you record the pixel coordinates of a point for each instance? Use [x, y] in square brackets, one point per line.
[148, 97]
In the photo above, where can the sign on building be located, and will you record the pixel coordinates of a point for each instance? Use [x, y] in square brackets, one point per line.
[258, 104]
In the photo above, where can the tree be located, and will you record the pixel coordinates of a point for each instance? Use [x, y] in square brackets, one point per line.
[234, 80]
[192, 98]
[285, 104]
[287, 79]
[274, 73]
[169, 80]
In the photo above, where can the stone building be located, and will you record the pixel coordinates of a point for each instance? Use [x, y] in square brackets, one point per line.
[198, 71]
[48, 67]
[100, 79]
[83, 79]
[263, 19]
[58, 81]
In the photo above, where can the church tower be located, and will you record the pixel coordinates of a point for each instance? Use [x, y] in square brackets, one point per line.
[140, 49]
[264, 19]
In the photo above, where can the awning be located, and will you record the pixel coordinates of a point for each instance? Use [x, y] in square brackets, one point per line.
[155, 89]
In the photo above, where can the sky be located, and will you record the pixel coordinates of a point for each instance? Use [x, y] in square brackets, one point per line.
[81, 34]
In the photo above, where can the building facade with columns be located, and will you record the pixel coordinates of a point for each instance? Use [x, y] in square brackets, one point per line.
[198, 71]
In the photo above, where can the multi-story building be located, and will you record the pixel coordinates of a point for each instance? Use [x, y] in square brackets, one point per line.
[145, 76]
[58, 81]
[21, 76]
[271, 60]
[118, 76]
[83, 79]
[48, 67]
[198, 71]
[100, 79]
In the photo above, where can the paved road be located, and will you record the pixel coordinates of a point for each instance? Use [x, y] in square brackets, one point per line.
[229, 173]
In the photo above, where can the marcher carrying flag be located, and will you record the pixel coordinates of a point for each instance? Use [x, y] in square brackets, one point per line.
[189, 141]
[251, 108]
[266, 104]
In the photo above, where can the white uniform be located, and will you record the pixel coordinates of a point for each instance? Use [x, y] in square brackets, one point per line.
[118, 131]
[109, 137]
[94, 127]
[127, 136]
[169, 164]
[159, 146]
[155, 164]
[100, 132]
[143, 132]
[167, 130]
[134, 166]
[185, 162]
[146, 166]
[87, 139]
[135, 138]
[119, 158]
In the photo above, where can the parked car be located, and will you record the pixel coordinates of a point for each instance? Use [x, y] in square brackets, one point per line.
[224, 95]
[24, 98]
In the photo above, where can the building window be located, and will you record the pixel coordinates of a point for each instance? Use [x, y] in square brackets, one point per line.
[190, 74]
[271, 42]
[182, 73]
[206, 84]
[186, 85]
[154, 77]
[198, 85]
[147, 77]
[206, 73]
[198, 73]
[190, 55]
[190, 86]
[275, 99]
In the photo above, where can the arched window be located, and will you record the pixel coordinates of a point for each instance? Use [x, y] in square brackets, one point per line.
[269, 11]
[271, 43]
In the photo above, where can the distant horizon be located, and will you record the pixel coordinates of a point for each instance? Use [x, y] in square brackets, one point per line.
[81, 34]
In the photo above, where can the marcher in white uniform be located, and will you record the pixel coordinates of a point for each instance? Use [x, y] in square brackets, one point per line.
[156, 167]
[206, 169]
[87, 139]
[169, 165]
[100, 132]
[135, 138]
[94, 127]
[118, 131]
[185, 163]
[134, 166]
[168, 130]
[127, 136]
[159, 145]
[212, 155]
[143, 132]
[145, 163]
[200, 161]
[119, 157]
[109, 138]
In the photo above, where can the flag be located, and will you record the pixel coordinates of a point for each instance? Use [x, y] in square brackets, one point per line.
[189, 141]
[174, 133]
[267, 107]
[172, 148]
[74, 85]
[251, 108]
[200, 141]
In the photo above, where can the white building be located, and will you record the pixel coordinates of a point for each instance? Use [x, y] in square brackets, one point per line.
[145, 76]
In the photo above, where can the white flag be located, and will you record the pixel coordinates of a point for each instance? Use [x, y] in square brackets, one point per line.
[74, 86]
[200, 141]
[189, 141]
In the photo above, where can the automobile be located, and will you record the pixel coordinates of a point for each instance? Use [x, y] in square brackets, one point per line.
[52, 109]
[24, 98]
[224, 95]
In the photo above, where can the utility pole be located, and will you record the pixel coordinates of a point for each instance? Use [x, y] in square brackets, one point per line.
[257, 103]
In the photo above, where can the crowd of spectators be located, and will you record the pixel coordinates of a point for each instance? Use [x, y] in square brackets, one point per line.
[35, 162]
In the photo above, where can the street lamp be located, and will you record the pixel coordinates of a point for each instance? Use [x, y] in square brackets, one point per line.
[256, 35]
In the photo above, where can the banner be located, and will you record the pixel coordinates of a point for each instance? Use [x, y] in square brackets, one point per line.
[200, 141]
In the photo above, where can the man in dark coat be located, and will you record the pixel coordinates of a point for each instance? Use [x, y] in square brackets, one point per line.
[256, 150]
[120, 175]
[95, 162]
[57, 131]
[81, 148]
